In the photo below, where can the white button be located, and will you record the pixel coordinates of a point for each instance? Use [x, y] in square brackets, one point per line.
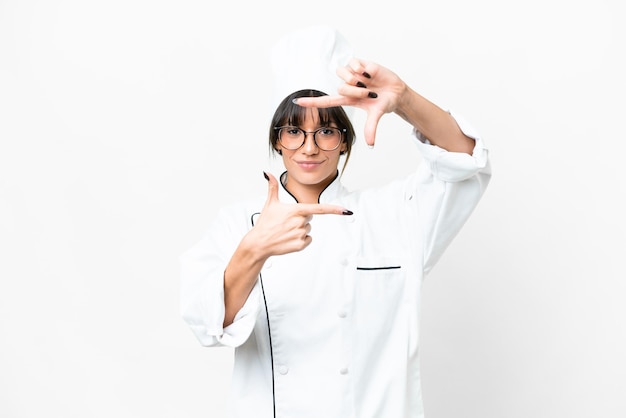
[283, 369]
[342, 313]
[343, 370]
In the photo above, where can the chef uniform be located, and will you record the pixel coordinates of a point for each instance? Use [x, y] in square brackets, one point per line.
[333, 330]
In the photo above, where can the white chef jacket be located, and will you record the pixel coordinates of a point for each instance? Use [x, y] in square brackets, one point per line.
[343, 312]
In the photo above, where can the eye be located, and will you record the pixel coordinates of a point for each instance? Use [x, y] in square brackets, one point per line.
[327, 131]
[292, 130]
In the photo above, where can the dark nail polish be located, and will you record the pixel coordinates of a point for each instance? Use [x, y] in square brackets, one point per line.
[266, 176]
[359, 84]
[372, 95]
[347, 212]
[365, 74]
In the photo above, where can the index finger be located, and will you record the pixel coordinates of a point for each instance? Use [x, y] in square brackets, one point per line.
[323, 101]
[306, 209]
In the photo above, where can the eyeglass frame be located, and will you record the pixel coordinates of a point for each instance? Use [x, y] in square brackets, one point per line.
[341, 132]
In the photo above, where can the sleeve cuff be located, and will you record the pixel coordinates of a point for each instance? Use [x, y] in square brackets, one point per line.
[239, 331]
[453, 166]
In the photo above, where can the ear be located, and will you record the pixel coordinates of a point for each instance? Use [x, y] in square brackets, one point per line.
[343, 149]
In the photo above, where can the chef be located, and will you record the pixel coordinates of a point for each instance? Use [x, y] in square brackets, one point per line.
[317, 287]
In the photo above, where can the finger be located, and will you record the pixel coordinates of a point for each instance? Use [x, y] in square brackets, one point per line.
[322, 102]
[350, 77]
[356, 92]
[305, 209]
[371, 125]
[356, 65]
[362, 68]
[272, 188]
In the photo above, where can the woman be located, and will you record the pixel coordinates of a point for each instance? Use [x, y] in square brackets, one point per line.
[324, 310]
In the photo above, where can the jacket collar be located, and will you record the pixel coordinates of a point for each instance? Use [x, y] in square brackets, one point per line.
[327, 195]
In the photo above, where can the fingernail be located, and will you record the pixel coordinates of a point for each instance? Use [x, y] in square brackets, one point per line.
[366, 74]
[266, 176]
[359, 84]
[372, 95]
[347, 212]
[370, 146]
[294, 101]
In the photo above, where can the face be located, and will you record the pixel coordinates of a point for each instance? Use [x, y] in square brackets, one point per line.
[310, 169]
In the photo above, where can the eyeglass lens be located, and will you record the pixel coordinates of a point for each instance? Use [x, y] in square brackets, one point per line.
[326, 138]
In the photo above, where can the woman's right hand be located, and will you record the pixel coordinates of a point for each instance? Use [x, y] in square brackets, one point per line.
[280, 229]
[284, 228]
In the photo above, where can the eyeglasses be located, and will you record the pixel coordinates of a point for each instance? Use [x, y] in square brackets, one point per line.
[326, 138]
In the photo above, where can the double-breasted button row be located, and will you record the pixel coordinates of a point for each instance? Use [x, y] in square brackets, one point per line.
[283, 369]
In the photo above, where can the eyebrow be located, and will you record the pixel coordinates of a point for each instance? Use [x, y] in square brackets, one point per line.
[332, 125]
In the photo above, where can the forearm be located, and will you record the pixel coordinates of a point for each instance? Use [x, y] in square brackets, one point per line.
[240, 277]
[433, 122]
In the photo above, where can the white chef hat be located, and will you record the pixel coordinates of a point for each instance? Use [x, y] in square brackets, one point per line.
[308, 58]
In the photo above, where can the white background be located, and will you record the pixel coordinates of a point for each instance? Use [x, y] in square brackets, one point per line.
[125, 124]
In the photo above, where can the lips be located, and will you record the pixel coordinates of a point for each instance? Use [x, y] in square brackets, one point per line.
[308, 165]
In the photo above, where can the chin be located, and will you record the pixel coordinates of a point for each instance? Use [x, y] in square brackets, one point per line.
[311, 179]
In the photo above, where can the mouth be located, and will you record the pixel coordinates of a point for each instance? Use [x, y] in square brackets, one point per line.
[308, 165]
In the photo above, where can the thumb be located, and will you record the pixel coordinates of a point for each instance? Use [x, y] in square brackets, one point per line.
[272, 188]
[371, 124]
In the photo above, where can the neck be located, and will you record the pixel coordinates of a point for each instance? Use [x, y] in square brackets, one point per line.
[305, 193]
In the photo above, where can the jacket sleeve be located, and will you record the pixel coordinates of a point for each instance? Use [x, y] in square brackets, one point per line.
[202, 284]
[449, 186]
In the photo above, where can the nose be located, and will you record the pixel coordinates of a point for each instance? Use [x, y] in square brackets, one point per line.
[309, 147]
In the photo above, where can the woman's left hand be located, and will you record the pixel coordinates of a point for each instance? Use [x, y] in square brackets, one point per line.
[368, 86]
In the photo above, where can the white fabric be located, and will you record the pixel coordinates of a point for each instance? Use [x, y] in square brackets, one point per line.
[344, 312]
[308, 58]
